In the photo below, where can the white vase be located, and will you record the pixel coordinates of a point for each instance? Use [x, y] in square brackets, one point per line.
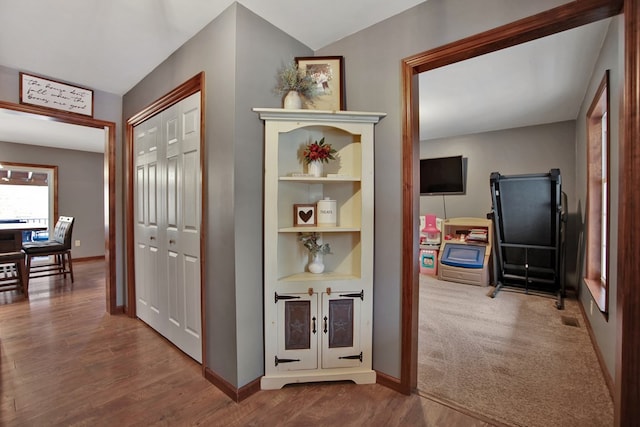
[316, 265]
[315, 168]
[292, 100]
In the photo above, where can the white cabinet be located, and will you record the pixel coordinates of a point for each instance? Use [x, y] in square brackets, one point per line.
[318, 327]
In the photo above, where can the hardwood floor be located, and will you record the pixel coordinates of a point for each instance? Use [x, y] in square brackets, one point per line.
[66, 362]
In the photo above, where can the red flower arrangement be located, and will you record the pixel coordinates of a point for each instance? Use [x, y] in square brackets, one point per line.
[318, 151]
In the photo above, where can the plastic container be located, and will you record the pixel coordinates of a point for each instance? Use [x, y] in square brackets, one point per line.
[429, 261]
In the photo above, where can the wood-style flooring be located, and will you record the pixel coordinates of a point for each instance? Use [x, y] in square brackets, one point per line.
[66, 362]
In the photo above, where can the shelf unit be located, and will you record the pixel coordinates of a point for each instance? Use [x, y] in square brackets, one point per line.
[459, 227]
[318, 327]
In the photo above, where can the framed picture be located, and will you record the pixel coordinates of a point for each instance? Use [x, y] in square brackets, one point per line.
[304, 215]
[56, 95]
[328, 74]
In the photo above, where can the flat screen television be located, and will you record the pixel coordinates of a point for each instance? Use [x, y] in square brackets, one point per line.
[442, 175]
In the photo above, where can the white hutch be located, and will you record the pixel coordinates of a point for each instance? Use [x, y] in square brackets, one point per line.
[318, 327]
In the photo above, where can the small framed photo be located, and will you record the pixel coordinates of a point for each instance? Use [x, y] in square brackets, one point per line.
[304, 215]
[328, 74]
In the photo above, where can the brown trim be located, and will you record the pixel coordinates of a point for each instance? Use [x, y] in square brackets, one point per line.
[236, 394]
[110, 184]
[463, 410]
[600, 105]
[388, 381]
[561, 18]
[191, 86]
[89, 258]
[565, 17]
[608, 379]
[203, 218]
[410, 284]
[627, 401]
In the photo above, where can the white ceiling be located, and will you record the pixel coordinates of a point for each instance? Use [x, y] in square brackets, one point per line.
[104, 34]
[542, 81]
[99, 44]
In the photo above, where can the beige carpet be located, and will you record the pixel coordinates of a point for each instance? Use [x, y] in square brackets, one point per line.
[515, 358]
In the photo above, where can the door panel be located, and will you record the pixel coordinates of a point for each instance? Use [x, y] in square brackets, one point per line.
[297, 332]
[192, 274]
[146, 208]
[341, 329]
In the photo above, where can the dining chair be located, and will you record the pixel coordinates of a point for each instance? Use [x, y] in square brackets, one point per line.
[59, 247]
[12, 272]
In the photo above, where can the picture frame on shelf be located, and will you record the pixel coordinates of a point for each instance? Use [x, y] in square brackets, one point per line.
[328, 73]
[304, 215]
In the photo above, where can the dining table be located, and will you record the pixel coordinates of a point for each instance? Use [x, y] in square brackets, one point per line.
[11, 234]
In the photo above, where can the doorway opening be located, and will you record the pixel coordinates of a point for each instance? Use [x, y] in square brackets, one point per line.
[561, 18]
[109, 191]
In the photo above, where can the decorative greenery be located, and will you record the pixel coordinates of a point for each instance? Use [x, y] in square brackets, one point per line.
[319, 151]
[310, 241]
[290, 78]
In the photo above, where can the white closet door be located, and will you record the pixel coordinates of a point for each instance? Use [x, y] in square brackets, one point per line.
[173, 272]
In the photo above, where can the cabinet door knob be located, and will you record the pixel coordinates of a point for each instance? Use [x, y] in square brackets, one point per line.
[325, 324]
[313, 324]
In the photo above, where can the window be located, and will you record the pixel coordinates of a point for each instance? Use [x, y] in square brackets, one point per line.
[597, 228]
[27, 193]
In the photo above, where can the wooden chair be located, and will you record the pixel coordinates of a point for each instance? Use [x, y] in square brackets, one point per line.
[12, 272]
[59, 248]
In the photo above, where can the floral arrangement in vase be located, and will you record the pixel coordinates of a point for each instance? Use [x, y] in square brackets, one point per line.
[292, 83]
[318, 151]
[310, 241]
[316, 250]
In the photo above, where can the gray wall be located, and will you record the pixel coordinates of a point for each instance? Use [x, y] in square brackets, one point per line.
[373, 83]
[240, 54]
[611, 57]
[107, 107]
[527, 150]
[80, 187]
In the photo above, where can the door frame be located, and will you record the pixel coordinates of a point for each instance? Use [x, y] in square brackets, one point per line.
[186, 89]
[570, 15]
[109, 184]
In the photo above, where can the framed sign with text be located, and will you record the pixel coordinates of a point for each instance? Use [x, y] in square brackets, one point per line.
[49, 93]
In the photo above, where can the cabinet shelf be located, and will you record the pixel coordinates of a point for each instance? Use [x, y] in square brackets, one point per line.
[318, 229]
[319, 180]
[324, 277]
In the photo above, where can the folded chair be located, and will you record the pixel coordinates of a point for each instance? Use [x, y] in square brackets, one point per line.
[59, 248]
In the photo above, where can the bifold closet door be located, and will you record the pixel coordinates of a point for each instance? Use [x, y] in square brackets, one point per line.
[168, 203]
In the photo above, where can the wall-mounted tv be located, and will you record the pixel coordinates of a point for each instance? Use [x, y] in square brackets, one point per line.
[442, 175]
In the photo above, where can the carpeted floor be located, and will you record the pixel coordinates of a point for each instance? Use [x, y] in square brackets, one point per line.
[514, 358]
